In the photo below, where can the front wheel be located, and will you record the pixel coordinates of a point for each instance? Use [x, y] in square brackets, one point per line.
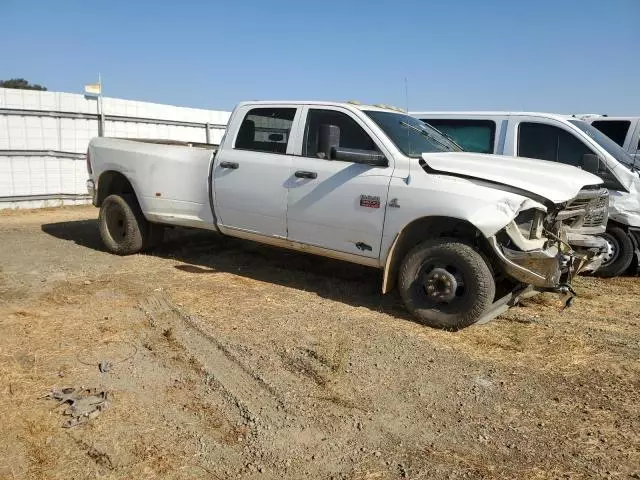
[619, 253]
[446, 284]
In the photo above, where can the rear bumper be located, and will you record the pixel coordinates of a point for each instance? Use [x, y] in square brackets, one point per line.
[91, 188]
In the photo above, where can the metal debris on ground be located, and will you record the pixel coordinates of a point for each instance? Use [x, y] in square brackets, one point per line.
[84, 403]
[105, 366]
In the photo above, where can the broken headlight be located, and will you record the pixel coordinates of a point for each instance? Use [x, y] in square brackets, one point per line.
[530, 223]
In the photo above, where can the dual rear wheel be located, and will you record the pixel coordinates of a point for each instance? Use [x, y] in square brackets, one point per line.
[123, 228]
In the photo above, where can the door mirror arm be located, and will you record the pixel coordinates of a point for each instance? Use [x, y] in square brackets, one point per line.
[356, 155]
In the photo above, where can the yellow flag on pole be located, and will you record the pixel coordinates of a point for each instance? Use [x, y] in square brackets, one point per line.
[93, 88]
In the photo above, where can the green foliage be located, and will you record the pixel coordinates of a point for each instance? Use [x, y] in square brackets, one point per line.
[20, 83]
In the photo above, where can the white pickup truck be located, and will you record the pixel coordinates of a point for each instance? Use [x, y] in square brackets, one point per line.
[625, 131]
[569, 140]
[463, 235]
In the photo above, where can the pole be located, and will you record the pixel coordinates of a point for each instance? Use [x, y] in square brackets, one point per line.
[100, 109]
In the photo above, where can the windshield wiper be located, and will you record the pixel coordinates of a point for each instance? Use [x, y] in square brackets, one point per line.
[448, 137]
[427, 135]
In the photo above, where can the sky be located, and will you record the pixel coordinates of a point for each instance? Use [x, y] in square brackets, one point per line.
[567, 56]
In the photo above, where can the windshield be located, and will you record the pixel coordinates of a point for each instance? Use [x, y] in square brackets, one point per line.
[605, 142]
[410, 135]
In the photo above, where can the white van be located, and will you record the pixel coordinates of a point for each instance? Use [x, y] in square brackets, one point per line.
[625, 131]
[565, 139]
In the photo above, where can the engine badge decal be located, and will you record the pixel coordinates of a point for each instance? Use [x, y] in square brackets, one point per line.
[369, 201]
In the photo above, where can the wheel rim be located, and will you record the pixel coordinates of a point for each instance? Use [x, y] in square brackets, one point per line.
[442, 284]
[613, 249]
[116, 223]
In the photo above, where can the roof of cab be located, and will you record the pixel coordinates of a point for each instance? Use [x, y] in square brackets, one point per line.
[555, 116]
[594, 117]
[353, 105]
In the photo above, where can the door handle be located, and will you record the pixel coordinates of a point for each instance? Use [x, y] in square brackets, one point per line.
[231, 165]
[304, 174]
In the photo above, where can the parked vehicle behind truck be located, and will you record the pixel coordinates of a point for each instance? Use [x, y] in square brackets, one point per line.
[625, 131]
[462, 235]
[568, 140]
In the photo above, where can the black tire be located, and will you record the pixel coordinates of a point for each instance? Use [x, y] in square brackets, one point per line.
[123, 228]
[474, 282]
[620, 254]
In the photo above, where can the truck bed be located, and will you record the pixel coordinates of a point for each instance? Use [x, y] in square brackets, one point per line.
[170, 178]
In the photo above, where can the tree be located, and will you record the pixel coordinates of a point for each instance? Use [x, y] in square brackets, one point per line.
[20, 83]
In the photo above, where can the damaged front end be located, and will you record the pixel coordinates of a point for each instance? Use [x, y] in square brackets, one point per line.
[534, 249]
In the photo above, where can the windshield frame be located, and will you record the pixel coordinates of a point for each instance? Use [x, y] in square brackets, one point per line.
[440, 142]
[604, 142]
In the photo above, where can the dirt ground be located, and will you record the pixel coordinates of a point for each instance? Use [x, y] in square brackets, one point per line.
[235, 360]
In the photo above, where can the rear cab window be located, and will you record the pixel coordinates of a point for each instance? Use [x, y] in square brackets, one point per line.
[472, 135]
[266, 130]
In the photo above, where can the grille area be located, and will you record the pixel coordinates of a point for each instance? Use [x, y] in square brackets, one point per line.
[589, 209]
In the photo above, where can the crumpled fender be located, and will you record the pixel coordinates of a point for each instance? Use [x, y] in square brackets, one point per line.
[624, 207]
[492, 218]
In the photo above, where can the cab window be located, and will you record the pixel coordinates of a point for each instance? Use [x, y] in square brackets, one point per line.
[266, 130]
[546, 142]
[350, 134]
[616, 130]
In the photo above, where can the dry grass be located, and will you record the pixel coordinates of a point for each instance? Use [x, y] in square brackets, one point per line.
[322, 339]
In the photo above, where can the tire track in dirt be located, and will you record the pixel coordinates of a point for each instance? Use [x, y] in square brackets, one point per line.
[241, 387]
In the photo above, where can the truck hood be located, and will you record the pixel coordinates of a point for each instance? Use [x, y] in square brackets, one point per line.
[553, 181]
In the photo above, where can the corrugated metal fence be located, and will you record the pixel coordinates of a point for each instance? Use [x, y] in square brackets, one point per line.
[44, 138]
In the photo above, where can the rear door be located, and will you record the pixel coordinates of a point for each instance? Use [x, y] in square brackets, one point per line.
[250, 175]
[334, 204]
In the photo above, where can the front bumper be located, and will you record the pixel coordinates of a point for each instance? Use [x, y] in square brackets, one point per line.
[542, 268]
[591, 246]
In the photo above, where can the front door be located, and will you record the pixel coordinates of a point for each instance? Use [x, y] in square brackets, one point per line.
[250, 174]
[336, 204]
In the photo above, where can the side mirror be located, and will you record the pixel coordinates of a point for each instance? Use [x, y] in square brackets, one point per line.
[591, 163]
[328, 139]
[355, 155]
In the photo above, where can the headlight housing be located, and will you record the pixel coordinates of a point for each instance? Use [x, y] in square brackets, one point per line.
[530, 223]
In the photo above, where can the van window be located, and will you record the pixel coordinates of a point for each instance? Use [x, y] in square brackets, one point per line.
[546, 142]
[351, 135]
[266, 130]
[616, 130]
[472, 135]
[412, 136]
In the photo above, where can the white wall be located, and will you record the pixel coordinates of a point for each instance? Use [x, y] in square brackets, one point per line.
[42, 151]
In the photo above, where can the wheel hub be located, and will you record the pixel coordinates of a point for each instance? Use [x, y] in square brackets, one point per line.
[440, 285]
[612, 251]
[116, 224]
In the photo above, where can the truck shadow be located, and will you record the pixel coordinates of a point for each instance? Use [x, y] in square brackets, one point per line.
[200, 252]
